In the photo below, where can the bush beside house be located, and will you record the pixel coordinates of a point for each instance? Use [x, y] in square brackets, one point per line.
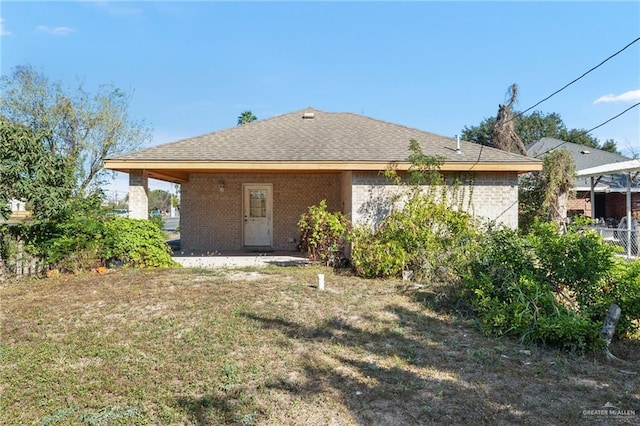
[88, 240]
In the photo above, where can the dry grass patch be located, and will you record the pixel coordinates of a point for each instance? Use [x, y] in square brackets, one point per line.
[265, 346]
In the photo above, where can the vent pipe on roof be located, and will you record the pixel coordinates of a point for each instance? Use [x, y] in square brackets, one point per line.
[458, 150]
[308, 115]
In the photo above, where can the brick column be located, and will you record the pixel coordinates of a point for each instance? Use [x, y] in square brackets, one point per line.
[138, 199]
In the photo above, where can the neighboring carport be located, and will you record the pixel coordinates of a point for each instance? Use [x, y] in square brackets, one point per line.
[631, 169]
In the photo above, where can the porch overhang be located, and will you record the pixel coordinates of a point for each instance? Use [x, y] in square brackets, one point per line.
[612, 168]
[628, 168]
[178, 171]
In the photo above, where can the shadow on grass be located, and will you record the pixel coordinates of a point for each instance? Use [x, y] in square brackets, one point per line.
[402, 366]
[225, 408]
[397, 375]
[202, 409]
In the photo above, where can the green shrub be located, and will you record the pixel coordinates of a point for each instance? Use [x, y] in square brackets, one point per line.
[71, 241]
[525, 308]
[425, 236]
[323, 233]
[83, 236]
[427, 232]
[579, 260]
[85, 242]
[8, 243]
[136, 242]
[156, 220]
[551, 288]
[373, 258]
[623, 289]
[79, 245]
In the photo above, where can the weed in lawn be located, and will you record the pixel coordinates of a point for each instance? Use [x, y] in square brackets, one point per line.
[481, 356]
[501, 349]
[229, 371]
[221, 409]
[397, 332]
[110, 415]
[426, 409]
[453, 344]
[560, 367]
[411, 354]
[90, 417]
[58, 416]
[248, 419]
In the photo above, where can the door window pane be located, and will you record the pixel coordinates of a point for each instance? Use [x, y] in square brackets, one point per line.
[257, 203]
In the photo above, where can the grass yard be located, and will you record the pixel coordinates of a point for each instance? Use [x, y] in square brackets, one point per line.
[265, 347]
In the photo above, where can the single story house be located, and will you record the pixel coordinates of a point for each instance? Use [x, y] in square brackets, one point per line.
[244, 188]
[609, 203]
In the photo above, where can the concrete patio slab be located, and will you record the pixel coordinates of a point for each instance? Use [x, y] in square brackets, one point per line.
[240, 260]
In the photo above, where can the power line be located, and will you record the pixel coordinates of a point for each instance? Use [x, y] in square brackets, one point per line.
[564, 87]
[575, 80]
[585, 132]
[613, 118]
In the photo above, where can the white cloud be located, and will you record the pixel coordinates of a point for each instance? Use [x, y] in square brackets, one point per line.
[630, 96]
[3, 32]
[58, 31]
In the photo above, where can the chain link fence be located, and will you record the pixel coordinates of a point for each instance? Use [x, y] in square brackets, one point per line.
[627, 239]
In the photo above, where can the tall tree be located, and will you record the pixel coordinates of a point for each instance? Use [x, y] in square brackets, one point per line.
[84, 128]
[536, 126]
[610, 145]
[29, 172]
[160, 199]
[246, 117]
[533, 127]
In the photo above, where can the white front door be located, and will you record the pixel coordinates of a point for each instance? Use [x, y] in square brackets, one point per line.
[258, 221]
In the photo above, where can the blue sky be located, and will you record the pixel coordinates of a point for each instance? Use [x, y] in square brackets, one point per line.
[193, 67]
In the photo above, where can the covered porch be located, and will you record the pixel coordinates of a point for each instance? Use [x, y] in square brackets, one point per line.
[245, 211]
[627, 232]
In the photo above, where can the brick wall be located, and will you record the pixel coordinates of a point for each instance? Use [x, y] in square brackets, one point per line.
[495, 197]
[212, 220]
[614, 204]
[488, 196]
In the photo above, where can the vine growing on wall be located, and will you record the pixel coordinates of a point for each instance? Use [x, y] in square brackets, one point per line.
[427, 231]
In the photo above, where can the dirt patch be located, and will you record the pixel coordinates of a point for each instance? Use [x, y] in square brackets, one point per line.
[244, 276]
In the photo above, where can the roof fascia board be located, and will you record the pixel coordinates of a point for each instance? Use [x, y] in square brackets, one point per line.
[231, 166]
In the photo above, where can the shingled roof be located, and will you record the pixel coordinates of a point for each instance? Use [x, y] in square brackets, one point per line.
[585, 157]
[311, 136]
